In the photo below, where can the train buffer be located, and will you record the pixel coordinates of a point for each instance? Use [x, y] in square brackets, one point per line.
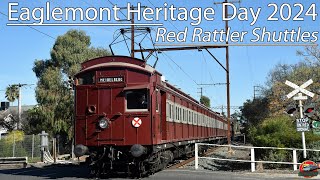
[14, 160]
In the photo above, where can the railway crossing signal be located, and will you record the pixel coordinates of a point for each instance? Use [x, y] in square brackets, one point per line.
[291, 109]
[309, 111]
[299, 90]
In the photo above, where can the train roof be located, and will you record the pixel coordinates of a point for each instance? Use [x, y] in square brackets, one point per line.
[117, 61]
[135, 63]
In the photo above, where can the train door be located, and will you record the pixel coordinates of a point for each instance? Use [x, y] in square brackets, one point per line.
[163, 115]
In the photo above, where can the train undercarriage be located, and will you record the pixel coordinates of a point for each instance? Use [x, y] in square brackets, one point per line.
[110, 160]
[136, 161]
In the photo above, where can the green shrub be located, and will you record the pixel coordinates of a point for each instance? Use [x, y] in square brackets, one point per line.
[13, 145]
[312, 155]
[279, 132]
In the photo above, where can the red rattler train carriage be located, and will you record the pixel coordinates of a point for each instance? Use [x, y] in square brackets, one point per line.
[130, 120]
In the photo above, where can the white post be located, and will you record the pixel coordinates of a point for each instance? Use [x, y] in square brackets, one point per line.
[302, 133]
[13, 145]
[253, 164]
[294, 156]
[32, 150]
[19, 108]
[196, 155]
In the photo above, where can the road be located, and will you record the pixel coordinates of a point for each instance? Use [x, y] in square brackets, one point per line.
[80, 172]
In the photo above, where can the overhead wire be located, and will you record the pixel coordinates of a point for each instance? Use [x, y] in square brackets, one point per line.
[169, 56]
[163, 15]
[32, 28]
[248, 57]
[180, 68]
[173, 71]
[205, 61]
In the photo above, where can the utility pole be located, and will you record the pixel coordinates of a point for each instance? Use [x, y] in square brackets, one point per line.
[226, 14]
[19, 103]
[228, 79]
[255, 90]
[132, 32]
[222, 112]
[201, 91]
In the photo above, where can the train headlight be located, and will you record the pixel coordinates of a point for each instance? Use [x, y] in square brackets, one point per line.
[103, 123]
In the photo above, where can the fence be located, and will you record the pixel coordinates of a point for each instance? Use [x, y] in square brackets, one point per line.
[21, 146]
[251, 158]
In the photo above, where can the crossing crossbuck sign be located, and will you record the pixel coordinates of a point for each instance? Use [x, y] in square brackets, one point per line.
[298, 89]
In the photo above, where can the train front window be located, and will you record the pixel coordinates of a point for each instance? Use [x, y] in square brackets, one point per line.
[86, 78]
[137, 100]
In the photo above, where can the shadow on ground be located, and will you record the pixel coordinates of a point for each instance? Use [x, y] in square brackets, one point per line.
[57, 171]
[50, 172]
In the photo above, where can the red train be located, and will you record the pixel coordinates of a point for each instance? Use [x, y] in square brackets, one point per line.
[130, 120]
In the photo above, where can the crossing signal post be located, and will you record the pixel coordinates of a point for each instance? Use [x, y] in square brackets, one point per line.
[299, 90]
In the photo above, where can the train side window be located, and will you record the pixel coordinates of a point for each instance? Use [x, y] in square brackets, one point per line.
[137, 100]
[171, 112]
[182, 116]
[176, 112]
[168, 111]
[86, 78]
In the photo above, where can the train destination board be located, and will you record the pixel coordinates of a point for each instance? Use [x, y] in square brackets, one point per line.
[110, 79]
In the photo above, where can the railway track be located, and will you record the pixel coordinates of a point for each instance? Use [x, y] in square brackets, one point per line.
[187, 161]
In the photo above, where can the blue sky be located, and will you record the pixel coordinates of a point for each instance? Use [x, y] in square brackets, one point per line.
[249, 66]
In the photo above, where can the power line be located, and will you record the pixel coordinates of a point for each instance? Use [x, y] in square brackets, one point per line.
[32, 27]
[180, 68]
[247, 54]
[163, 15]
[108, 1]
[205, 61]
[120, 11]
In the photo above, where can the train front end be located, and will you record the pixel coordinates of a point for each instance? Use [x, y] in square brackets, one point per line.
[112, 112]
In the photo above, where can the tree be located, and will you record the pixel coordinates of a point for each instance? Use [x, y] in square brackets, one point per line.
[311, 54]
[205, 100]
[298, 74]
[255, 111]
[55, 101]
[12, 92]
